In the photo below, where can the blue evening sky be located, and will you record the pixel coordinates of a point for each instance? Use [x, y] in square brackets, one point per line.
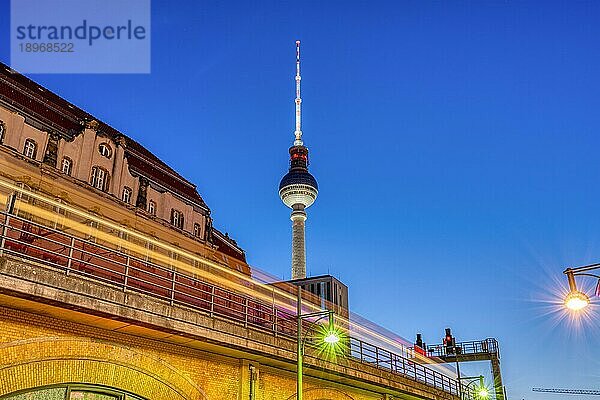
[455, 145]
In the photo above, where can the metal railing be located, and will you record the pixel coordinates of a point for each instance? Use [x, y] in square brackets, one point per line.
[381, 358]
[486, 346]
[82, 256]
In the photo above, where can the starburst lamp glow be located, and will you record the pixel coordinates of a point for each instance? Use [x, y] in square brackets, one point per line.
[576, 300]
[483, 393]
[331, 338]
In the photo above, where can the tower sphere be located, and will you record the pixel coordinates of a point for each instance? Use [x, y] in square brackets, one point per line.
[298, 187]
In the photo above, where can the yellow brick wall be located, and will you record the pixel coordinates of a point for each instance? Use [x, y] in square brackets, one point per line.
[274, 385]
[37, 350]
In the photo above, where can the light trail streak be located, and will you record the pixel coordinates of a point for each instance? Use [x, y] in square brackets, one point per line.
[264, 291]
[158, 258]
[142, 251]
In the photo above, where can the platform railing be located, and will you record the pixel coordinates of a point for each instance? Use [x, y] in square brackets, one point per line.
[486, 346]
[384, 359]
[82, 256]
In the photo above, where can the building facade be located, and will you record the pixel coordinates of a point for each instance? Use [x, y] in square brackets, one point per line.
[51, 145]
[333, 294]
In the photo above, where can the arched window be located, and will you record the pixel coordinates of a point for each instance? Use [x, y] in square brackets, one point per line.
[176, 218]
[2, 131]
[149, 252]
[59, 214]
[66, 166]
[72, 391]
[23, 197]
[30, 148]
[123, 239]
[99, 178]
[105, 150]
[174, 257]
[92, 231]
[152, 208]
[127, 192]
[197, 230]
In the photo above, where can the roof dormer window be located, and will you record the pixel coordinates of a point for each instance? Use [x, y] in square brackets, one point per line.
[127, 193]
[177, 218]
[105, 150]
[30, 148]
[99, 179]
[152, 208]
[66, 165]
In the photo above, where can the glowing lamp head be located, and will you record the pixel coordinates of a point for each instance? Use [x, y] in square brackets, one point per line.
[331, 338]
[576, 300]
[483, 393]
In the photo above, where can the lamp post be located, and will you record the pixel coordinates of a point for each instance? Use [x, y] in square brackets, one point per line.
[577, 300]
[330, 339]
[460, 393]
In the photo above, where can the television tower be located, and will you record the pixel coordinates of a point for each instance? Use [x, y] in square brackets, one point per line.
[298, 189]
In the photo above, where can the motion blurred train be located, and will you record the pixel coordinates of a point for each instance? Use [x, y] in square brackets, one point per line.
[79, 195]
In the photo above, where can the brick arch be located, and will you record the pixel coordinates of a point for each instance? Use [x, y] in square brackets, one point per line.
[322, 394]
[27, 364]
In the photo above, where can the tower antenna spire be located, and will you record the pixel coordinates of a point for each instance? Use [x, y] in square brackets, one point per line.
[298, 132]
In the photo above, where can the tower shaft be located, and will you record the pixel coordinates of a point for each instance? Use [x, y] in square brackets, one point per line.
[298, 218]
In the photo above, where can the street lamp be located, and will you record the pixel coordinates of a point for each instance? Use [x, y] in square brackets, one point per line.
[330, 337]
[482, 391]
[575, 299]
